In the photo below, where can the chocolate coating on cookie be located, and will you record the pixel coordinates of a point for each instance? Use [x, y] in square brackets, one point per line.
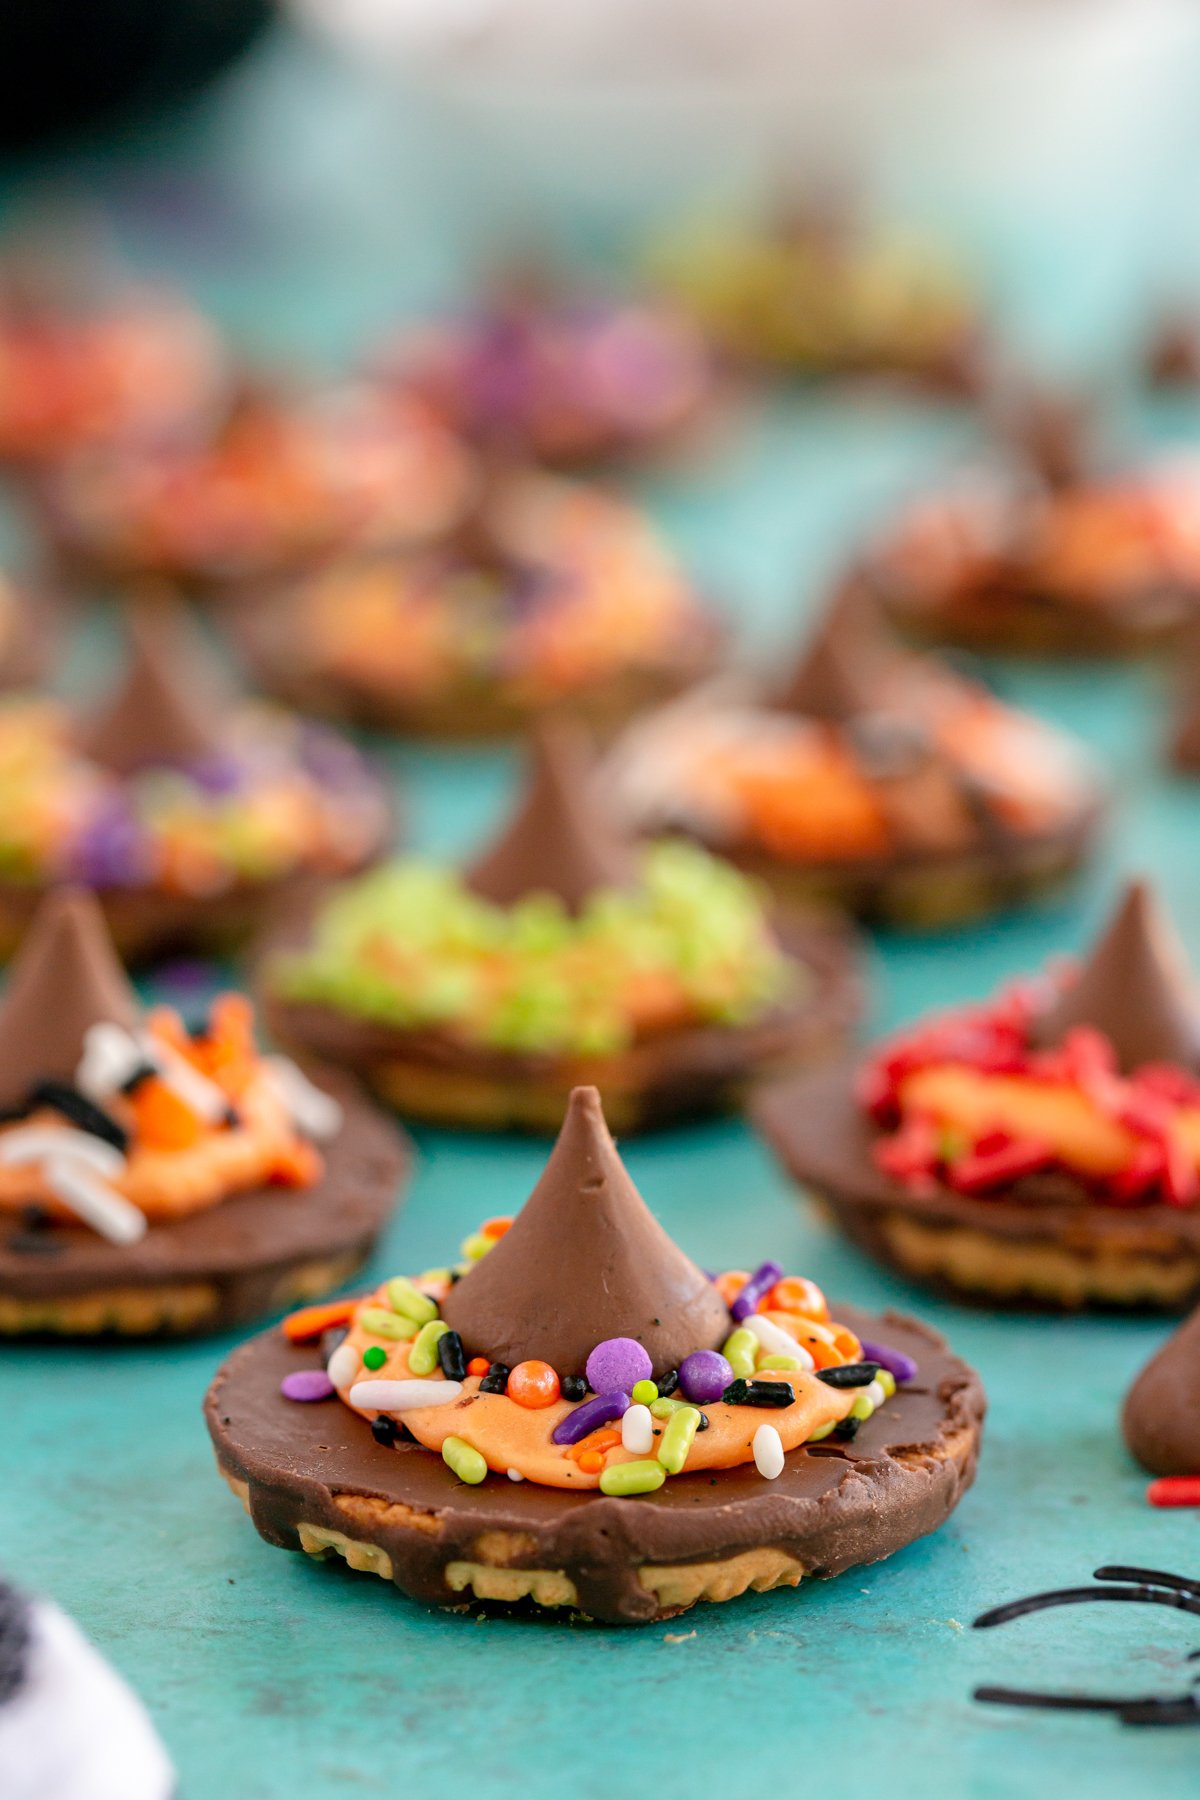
[585, 1260]
[835, 1505]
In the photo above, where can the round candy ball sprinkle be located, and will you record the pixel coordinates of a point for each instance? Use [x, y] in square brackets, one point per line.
[306, 1384]
[704, 1376]
[533, 1384]
[618, 1364]
[374, 1357]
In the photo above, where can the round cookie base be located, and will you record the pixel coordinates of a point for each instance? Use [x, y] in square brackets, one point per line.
[249, 1256]
[313, 1478]
[1005, 622]
[1054, 1255]
[263, 627]
[662, 1081]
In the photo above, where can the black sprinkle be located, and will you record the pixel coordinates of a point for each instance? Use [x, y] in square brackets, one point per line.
[452, 1356]
[846, 1430]
[704, 1422]
[332, 1340]
[144, 1071]
[37, 1236]
[384, 1430]
[16, 1637]
[496, 1379]
[667, 1383]
[79, 1110]
[850, 1375]
[759, 1393]
[233, 1118]
[455, 1275]
[574, 1387]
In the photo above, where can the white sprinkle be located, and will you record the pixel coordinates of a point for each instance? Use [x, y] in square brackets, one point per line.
[775, 1340]
[400, 1396]
[875, 1394]
[515, 1475]
[194, 1089]
[768, 1452]
[637, 1430]
[316, 1113]
[33, 1142]
[93, 1201]
[110, 1056]
[343, 1365]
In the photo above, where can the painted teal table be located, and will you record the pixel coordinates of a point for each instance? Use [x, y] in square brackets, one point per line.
[270, 1676]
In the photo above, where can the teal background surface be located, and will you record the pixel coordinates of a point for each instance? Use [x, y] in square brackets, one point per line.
[290, 206]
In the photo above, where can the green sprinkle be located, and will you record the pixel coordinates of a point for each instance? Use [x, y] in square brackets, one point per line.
[887, 1382]
[374, 1357]
[466, 1461]
[677, 1439]
[822, 1431]
[862, 1408]
[645, 1393]
[664, 1407]
[781, 1360]
[423, 1357]
[403, 1297]
[740, 1351]
[387, 1324]
[476, 1246]
[632, 1478]
[436, 1277]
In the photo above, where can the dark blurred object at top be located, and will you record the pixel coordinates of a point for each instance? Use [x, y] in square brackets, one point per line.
[68, 66]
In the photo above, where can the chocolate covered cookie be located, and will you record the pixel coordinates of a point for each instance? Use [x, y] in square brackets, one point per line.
[578, 1417]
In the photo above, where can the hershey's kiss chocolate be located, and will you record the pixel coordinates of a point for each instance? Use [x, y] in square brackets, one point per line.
[1185, 735]
[561, 839]
[1135, 986]
[845, 665]
[585, 1260]
[64, 979]
[1161, 1416]
[169, 708]
[1173, 355]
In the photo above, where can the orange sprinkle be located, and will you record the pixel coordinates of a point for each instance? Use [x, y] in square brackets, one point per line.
[495, 1228]
[730, 1284]
[845, 1341]
[533, 1384]
[604, 1439]
[592, 1461]
[478, 1365]
[297, 1167]
[796, 1293]
[162, 1121]
[310, 1321]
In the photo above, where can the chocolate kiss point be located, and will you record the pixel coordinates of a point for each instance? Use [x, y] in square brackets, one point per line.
[1161, 1417]
[584, 1260]
[1135, 987]
[560, 839]
[844, 664]
[64, 979]
[169, 708]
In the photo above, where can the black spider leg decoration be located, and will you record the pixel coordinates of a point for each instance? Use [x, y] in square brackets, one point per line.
[1147, 1586]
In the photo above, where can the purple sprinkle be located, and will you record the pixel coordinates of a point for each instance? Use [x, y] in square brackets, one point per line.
[306, 1384]
[601, 1410]
[112, 849]
[618, 1364]
[704, 1376]
[760, 1283]
[216, 774]
[896, 1362]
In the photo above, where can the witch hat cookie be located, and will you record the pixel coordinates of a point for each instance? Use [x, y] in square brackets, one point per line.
[560, 839]
[65, 979]
[1135, 986]
[875, 780]
[584, 1261]
[156, 1178]
[577, 1416]
[1161, 1416]
[188, 809]
[1040, 1148]
[171, 707]
[565, 953]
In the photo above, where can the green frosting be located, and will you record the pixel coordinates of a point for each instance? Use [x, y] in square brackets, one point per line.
[409, 945]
